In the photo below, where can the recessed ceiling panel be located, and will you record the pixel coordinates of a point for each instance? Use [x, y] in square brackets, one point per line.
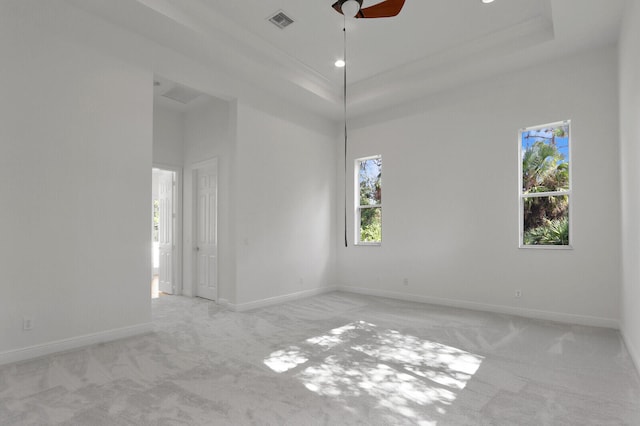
[375, 46]
[430, 47]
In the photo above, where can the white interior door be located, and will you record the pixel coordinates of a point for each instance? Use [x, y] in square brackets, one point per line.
[165, 231]
[207, 232]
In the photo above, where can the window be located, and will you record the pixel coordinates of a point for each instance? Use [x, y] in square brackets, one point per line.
[369, 204]
[545, 186]
[156, 219]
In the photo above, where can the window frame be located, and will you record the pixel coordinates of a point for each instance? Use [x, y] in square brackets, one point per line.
[522, 196]
[358, 207]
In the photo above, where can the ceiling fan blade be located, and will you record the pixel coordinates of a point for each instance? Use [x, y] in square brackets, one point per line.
[385, 9]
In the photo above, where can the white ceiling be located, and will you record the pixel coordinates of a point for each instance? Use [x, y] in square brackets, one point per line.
[424, 28]
[431, 46]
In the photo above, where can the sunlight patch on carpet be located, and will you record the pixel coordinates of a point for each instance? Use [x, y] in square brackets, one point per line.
[409, 376]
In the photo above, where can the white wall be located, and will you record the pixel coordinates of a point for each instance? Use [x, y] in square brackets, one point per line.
[450, 200]
[209, 75]
[75, 135]
[77, 96]
[75, 161]
[296, 162]
[630, 158]
[208, 135]
[168, 136]
[285, 202]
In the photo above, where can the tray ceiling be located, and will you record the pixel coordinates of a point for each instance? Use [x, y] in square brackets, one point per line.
[431, 46]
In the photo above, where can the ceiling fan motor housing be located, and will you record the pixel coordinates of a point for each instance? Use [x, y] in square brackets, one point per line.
[383, 9]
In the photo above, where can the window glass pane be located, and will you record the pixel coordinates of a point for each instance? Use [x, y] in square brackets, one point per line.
[156, 219]
[371, 225]
[546, 220]
[545, 159]
[370, 181]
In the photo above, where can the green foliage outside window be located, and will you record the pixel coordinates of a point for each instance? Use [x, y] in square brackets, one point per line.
[156, 219]
[545, 169]
[371, 225]
[370, 202]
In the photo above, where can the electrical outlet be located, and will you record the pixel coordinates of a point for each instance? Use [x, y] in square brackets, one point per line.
[405, 281]
[518, 294]
[301, 280]
[27, 323]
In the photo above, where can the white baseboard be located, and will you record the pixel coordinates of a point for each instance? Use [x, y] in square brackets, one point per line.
[633, 351]
[500, 309]
[37, 351]
[262, 303]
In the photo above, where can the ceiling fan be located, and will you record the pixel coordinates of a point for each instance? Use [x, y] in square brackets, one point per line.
[353, 9]
[384, 9]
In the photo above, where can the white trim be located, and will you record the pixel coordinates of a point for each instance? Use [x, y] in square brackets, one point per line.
[500, 309]
[356, 202]
[542, 247]
[178, 252]
[543, 126]
[546, 194]
[522, 196]
[633, 352]
[166, 166]
[37, 351]
[213, 161]
[270, 301]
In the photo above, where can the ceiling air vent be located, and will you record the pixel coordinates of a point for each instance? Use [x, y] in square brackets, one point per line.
[281, 20]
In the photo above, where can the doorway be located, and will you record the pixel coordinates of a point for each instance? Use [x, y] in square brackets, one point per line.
[165, 203]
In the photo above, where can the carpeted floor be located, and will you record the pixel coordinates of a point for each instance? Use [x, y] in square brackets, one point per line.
[336, 359]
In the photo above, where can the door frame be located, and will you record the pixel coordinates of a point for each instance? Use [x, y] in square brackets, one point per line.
[195, 167]
[177, 225]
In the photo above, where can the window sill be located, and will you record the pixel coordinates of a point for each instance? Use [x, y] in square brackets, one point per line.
[569, 247]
